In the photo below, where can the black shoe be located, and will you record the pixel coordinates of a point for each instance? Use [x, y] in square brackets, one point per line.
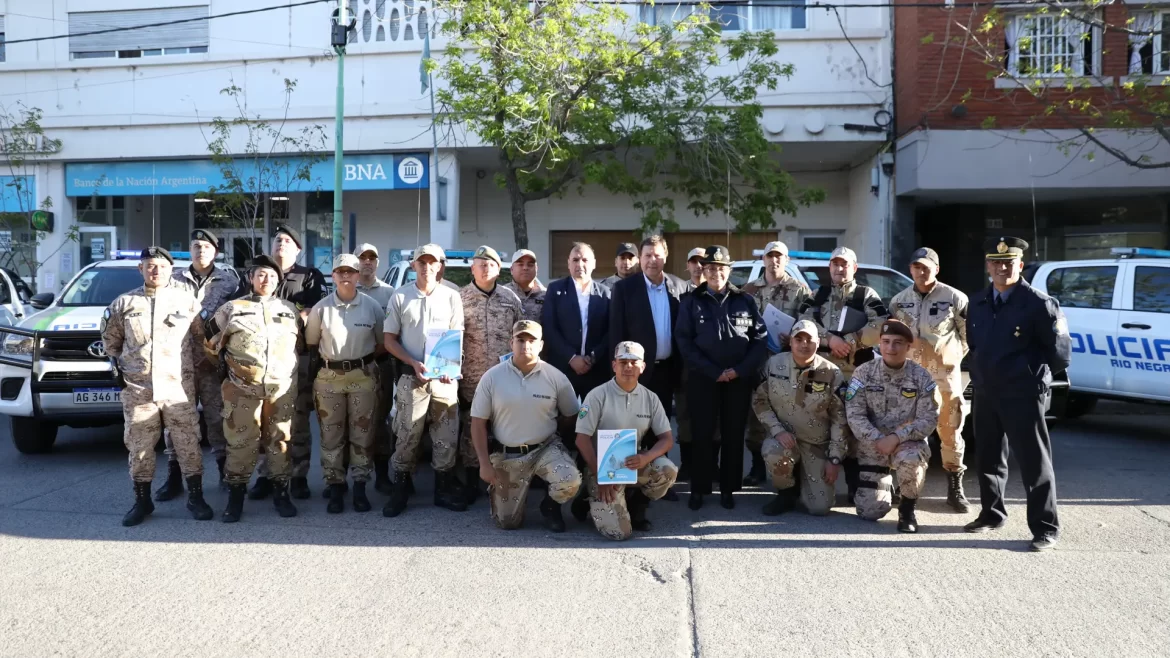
[783, 501]
[382, 482]
[637, 503]
[955, 496]
[142, 505]
[220, 463]
[981, 524]
[199, 509]
[580, 508]
[907, 521]
[336, 499]
[360, 502]
[670, 496]
[280, 500]
[261, 490]
[551, 511]
[299, 488]
[1043, 543]
[696, 501]
[726, 500]
[235, 506]
[398, 497]
[447, 493]
[173, 487]
[755, 476]
[471, 484]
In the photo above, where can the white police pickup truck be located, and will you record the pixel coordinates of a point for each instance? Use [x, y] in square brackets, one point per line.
[1118, 313]
[53, 369]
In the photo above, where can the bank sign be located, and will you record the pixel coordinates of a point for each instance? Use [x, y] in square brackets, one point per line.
[382, 171]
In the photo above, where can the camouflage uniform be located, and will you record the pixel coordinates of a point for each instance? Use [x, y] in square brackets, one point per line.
[939, 322]
[487, 335]
[383, 439]
[548, 461]
[867, 338]
[260, 338]
[150, 332]
[881, 401]
[532, 303]
[786, 295]
[807, 404]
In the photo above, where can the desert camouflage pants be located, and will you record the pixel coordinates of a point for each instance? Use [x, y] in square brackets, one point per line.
[951, 414]
[251, 423]
[550, 462]
[816, 494]
[383, 438]
[424, 405]
[345, 410]
[612, 520]
[467, 454]
[300, 447]
[145, 420]
[207, 388]
[875, 490]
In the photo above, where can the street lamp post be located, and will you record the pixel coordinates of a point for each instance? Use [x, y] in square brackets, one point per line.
[343, 23]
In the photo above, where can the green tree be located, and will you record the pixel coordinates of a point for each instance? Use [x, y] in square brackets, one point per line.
[573, 93]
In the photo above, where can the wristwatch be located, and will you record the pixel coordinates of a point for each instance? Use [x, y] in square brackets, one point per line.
[835, 461]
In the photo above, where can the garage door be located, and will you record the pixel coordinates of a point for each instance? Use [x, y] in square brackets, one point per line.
[740, 244]
[604, 243]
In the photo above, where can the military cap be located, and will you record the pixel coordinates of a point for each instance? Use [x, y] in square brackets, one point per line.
[345, 260]
[523, 253]
[844, 252]
[264, 260]
[157, 252]
[366, 247]
[717, 255]
[430, 249]
[897, 328]
[697, 252]
[290, 232]
[627, 248]
[528, 327]
[924, 255]
[629, 350]
[206, 236]
[485, 252]
[776, 245]
[1006, 248]
[806, 327]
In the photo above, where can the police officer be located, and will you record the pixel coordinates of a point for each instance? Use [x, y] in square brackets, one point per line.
[370, 284]
[489, 313]
[780, 289]
[149, 332]
[212, 285]
[619, 404]
[937, 314]
[423, 403]
[525, 284]
[524, 399]
[891, 408]
[343, 337]
[1019, 339]
[723, 342]
[625, 262]
[257, 339]
[800, 406]
[302, 287]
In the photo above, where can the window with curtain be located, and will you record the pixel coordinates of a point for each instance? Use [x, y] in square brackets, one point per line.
[1045, 46]
[754, 15]
[166, 37]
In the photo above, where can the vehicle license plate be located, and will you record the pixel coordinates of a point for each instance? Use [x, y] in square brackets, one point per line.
[96, 395]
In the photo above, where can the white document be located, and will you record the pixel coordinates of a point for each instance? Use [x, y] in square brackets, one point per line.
[779, 326]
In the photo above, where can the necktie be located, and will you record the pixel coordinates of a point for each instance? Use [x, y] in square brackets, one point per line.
[998, 304]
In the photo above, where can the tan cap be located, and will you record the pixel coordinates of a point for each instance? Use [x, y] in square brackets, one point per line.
[523, 253]
[697, 252]
[530, 327]
[628, 349]
[364, 247]
[806, 327]
[487, 253]
[345, 260]
[776, 245]
[844, 252]
[430, 249]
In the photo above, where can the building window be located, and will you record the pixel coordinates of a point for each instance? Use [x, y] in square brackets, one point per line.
[1045, 46]
[1149, 43]
[751, 15]
[1083, 287]
[165, 37]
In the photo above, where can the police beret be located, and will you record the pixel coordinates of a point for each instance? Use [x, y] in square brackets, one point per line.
[266, 261]
[487, 253]
[717, 255]
[290, 232]
[157, 252]
[897, 328]
[206, 236]
[1005, 248]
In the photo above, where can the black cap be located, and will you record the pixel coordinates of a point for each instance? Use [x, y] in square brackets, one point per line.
[1006, 248]
[290, 232]
[924, 254]
[206, 236]
[897, 328]
[157, 252]
[264, 260]
[717, 254]
[627, 248]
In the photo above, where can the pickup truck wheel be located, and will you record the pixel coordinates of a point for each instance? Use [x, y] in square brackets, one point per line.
[32, 436]
[1079, 404]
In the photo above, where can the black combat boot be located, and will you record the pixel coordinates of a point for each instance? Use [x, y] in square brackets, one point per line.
[261, 490]
[298, 488]
[173, 487]
[220, 463]
[235, 506]
[447, 493]
[280, 499]
[360, 502]
[784, 501]
[199, 509]
[142, 505]
[398, 497]
[579, 508]
[336, 499]
[907, 522]
[325, 491]
[755, 476]
[637, 503]
[382, 482]
[896, 496]
[955, 496]
[551, 511]
[471, 486]
[852, 476]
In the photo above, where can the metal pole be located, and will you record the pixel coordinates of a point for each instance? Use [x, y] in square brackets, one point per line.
[338, 140]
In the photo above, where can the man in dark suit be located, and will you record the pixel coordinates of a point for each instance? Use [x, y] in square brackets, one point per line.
[575, 321]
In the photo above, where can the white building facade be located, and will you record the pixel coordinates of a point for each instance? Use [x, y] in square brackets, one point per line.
[132, 110]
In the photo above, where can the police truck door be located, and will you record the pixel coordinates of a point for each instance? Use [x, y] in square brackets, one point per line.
[1144, 331]
[10, 298]
[1088, 295]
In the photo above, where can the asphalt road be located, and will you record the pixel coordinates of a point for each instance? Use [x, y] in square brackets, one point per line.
[73, 581]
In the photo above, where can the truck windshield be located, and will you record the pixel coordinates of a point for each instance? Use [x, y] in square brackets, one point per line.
[100, 286]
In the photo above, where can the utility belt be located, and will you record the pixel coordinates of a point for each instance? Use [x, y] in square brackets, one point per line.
[349, 364]
[495, 446]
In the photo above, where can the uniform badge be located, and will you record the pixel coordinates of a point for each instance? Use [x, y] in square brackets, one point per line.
[1017, 334]
[930, 387]
[1001, 247]
[855, 385]
[105, 320]
[909, 393]
[584, 410]
[819, 387]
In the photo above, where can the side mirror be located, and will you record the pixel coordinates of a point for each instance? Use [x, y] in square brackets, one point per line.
[41, 300]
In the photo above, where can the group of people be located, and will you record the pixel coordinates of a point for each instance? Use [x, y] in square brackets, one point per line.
[545, 369]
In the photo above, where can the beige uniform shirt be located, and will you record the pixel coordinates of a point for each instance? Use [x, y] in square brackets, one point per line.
[523, 408]
[786, 295]
[831, 310]
[487, 331]
[608, 407]
[150, 332]
[532, 302]
[412, 312]
[939, 322]
[380, 291]
[345, 330]
[261, 337]
[805, 402]
[881, 401]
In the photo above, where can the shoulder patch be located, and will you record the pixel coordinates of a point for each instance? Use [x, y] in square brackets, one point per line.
[931, 386]
[584, 411]
[855, 385]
